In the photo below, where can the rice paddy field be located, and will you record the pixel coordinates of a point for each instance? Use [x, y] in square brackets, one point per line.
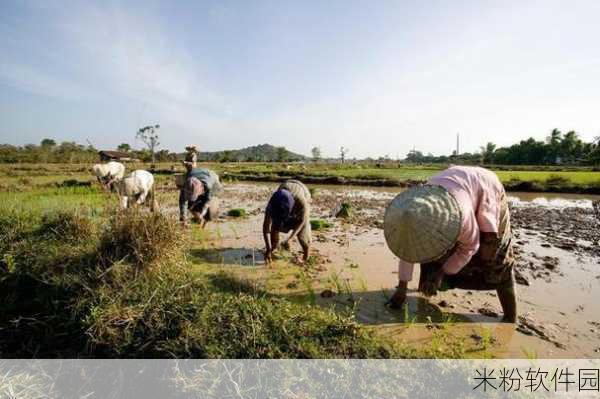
[536, 178]
[81, 278]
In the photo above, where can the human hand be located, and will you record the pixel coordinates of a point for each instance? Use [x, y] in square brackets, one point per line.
[268, 256]
[430, 288]
[397, 300]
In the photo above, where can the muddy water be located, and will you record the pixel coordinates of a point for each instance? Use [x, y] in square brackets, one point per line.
[560, 308]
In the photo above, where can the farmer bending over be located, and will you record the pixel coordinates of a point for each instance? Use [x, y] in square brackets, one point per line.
[198, 192]
[457, 227]
[288, 210]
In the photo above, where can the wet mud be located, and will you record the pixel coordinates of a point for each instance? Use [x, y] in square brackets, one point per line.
[556, 242]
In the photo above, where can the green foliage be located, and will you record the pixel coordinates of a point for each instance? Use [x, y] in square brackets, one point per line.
[259, 153]
[149, 135]
[558, 149]
[236, 212]
[345, 211]
[48, 151]
[319, 224]
[124, 147]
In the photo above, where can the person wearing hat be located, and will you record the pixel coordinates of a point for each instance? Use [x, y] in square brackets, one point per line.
[288, 210]
[198, 192]
[191, 156]
[457, 227]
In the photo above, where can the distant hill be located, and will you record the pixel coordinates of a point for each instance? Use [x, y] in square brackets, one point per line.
[257, 153]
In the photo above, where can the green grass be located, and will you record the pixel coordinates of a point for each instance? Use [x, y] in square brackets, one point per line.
[580, 178]
[23, 177]
[543, 178]
[119, 285]
[47, 199]
[403, 174]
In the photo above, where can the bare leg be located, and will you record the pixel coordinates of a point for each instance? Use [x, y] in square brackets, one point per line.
[305, 249]
[304, 237]
[508, 300]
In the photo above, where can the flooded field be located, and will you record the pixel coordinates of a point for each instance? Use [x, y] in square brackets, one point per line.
[558, 271]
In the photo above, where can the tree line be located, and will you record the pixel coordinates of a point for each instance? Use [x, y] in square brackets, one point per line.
[49, 151]
[557, 149]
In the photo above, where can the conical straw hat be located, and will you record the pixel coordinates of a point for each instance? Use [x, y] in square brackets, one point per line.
[422, 224]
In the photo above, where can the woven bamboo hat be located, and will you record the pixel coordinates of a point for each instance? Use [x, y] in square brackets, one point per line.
[422, 224]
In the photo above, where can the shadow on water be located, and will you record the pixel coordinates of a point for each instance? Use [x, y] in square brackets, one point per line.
[230, 256]
[370, 308]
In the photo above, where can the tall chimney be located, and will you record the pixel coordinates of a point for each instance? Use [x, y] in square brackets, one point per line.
[457, 144]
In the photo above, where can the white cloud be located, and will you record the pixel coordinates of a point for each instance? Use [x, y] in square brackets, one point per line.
[494, 74]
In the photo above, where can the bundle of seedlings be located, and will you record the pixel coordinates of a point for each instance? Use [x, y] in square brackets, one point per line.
[319, 224]
[345, 211]
[236, 212]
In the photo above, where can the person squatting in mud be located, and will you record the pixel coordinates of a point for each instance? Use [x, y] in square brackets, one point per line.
[457, 227]
[288, 210]
[198, 191]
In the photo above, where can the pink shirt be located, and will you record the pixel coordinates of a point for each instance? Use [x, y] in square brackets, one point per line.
[478, 192]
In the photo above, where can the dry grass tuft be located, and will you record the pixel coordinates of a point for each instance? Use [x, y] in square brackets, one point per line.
[141, 238]
[70, 226]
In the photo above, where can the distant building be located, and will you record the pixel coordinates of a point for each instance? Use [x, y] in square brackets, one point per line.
[106, 156]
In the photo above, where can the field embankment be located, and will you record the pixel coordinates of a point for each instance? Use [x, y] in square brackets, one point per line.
[578, 180]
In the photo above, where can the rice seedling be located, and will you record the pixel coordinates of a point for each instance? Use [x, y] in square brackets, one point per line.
[305, 281]
[345, 211]
[408, 320]
[336, 282]
[236, 212]
[319, 224]
[530, 354]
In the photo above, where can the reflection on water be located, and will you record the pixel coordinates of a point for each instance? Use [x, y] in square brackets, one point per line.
[560, 200]
[556, 201]
[231, 256]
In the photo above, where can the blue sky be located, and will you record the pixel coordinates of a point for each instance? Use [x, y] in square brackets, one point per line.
[377, 77]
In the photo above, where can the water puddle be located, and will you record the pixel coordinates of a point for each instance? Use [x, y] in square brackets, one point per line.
[552, 202]
[230, 256]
